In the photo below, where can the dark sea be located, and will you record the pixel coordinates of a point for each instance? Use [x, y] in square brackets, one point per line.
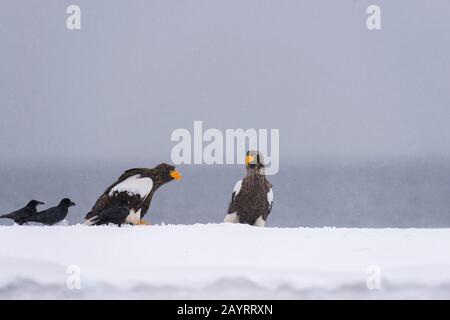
[374, 194]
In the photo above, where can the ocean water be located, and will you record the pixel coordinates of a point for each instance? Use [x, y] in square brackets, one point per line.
[383, 193]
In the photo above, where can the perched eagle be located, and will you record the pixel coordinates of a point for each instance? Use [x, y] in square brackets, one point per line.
[252, 197]
[128, 199]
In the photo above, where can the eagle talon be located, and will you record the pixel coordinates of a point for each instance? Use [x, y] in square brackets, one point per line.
[143, 223]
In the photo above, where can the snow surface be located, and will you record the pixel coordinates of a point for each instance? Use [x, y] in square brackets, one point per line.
[222, 261]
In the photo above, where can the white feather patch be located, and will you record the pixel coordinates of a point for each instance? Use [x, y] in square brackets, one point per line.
[90, 222]
[270, 196]
[134, 185]
[134, 217]
[231, 218]
[237, 188]
[260, 222]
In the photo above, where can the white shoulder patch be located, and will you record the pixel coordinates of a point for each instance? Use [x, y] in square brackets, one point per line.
[134, 185]
[270, 196]
[237, 187]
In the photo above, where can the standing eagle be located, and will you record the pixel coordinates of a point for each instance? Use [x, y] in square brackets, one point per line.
[252, 197]
[128, 199]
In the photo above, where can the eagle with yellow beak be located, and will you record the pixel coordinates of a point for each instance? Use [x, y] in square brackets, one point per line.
[128, 199]
[252, 198]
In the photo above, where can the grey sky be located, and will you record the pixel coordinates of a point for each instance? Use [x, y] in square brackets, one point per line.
[139, 69]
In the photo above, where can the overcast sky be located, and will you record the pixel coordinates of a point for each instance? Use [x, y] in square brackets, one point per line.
[137, 70]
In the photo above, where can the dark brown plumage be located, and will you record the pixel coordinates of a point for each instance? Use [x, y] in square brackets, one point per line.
[112, 215]
[252, 197]
[134, 191]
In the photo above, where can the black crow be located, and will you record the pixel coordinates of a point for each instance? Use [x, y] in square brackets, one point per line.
[252, 197]
[20, 216]
[134, 191]
[53, 215]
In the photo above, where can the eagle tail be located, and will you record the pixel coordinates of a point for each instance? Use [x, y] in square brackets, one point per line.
[89, 215]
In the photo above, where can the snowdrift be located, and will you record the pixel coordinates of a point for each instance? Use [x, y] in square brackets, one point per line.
[222, 261]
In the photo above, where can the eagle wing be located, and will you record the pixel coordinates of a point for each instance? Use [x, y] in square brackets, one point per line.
[236, 190]
[122, 192]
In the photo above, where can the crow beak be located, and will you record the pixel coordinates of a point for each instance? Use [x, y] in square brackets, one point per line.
[73, 204]
[176, 175]
[39, 203]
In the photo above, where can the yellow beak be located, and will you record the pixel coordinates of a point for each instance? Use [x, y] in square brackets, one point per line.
[176, 175]
[249, 159]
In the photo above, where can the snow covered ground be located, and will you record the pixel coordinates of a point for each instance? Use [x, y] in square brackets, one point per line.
[223, 261]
